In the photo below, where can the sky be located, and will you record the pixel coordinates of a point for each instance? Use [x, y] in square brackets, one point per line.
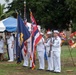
[3, 2]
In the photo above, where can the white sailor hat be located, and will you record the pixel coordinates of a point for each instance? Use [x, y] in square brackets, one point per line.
[49, 32]
[56, 31]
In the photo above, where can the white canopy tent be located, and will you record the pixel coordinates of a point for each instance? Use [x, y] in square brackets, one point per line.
[10, 24]
[2, 27]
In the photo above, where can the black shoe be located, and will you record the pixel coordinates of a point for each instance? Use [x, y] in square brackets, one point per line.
[49, 70]
[24, 66]
[55, 72]
[30, 67]
[40, 69]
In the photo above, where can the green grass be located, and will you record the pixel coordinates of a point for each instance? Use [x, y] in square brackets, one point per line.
[66, 52]
[15, 69]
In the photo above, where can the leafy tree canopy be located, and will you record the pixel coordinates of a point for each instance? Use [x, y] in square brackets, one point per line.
[52, 14]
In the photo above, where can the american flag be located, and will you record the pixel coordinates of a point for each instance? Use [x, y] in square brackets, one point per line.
[36, 36]
[25, 48]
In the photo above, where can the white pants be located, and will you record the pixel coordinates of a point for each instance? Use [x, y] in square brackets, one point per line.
[10, 51]
[50, 62]
[57, 62]
[26, 59]
[41, 59]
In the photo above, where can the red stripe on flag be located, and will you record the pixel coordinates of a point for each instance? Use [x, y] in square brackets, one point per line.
[25, 48]
[37, 40]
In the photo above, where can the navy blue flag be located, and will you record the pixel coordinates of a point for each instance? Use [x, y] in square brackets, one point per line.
[22, 35]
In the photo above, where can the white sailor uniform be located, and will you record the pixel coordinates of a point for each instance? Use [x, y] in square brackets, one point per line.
[56, 51]
[40, 51]
[10, 41]
[27, 56]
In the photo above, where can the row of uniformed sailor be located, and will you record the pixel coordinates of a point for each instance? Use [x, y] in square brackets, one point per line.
[40, 50]
[53, 50]
[53, 46]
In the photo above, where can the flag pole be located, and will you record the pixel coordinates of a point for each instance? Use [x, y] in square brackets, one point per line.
[24, 10]
[17, 57]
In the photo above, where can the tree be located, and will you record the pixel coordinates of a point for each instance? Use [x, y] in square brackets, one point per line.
[72, 8]
[1, 11]
[16, 5]
[74, 27]
[7, 1]
[4, 14]
[52, 14]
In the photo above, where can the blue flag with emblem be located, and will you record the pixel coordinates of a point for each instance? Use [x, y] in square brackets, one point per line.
[22, 35]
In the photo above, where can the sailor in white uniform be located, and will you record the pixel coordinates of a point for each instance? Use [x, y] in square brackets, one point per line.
[49, 50]
[27, 56]
[10, 42]
[56, 52]
[40, 51]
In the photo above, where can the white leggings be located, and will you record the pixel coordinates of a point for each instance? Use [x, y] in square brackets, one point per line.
[10, 51]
